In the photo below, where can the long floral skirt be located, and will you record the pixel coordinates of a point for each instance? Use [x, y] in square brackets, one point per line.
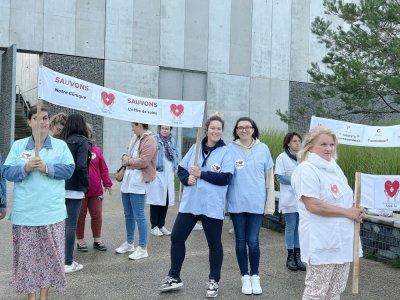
[38, 257]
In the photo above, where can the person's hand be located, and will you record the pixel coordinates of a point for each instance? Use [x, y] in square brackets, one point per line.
[195, 171]
[356, 214]
[3, 213]
[107, 189]
[192, 180]
[34, 163]
[125, 160]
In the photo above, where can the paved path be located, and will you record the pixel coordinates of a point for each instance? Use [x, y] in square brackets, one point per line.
[107, 275]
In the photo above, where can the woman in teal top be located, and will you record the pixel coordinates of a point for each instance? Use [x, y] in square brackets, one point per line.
[38, 211]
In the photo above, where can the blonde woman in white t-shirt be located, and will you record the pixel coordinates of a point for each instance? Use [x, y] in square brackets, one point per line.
[285, 164]
[327, 216]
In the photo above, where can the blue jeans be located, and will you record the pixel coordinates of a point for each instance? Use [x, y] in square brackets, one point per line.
[183, 226]
[247, 230]
[292, 230]
[73, 211]
[134, 212]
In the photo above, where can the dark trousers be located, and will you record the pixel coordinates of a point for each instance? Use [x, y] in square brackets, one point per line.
[183, 226]
[73, 210]
[158, 214]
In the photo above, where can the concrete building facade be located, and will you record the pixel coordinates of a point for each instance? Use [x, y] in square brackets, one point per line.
[240, 56]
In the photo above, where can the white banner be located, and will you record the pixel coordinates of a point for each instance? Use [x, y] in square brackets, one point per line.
[81, 95]
[380, 191]
[361, 135]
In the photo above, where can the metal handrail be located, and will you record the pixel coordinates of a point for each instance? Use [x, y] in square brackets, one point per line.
[26, 105]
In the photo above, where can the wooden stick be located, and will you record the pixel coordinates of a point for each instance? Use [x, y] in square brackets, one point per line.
[180, 192]
[198, 141]
[356, 257]
[37, 128]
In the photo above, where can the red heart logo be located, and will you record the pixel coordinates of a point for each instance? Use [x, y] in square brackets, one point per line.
[391, 188]
[176, 110]
[217, 168]
[108, 99]
[27, 155]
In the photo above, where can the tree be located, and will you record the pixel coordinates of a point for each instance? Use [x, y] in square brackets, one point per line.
[362, 61]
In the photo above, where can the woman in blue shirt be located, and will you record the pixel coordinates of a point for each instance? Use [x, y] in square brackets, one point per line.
[38, 212]
[247, 198]
[203, 199]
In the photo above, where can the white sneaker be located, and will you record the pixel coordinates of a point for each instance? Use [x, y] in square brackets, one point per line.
[246, 285]
[156, 231]
[165, 231]
[139, 253]
[255, 285]
[125, 247]
[198, 226]
[73, 267]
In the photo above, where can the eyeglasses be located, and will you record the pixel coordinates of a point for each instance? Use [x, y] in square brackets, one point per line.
[244, 128]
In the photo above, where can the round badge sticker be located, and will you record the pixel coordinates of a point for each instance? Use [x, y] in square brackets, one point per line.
[239, 164]
[216, 168]
[93, 156]
[25, 156]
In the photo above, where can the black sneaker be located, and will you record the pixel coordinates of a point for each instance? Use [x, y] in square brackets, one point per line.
[82, 247]
[170, 283]
[99, 246]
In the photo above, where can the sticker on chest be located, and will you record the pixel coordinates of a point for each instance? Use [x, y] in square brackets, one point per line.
[25, 156]
[216, 168]
[239, 164]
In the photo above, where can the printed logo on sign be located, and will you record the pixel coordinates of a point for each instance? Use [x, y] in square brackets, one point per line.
[107, 99]
[25, 156]
[239, 164]
[177, 110]
[216, 168]
[391, 189]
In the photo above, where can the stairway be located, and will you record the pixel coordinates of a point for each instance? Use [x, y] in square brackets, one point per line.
[22, 107]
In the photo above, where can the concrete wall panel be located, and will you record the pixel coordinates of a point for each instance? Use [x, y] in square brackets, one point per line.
[59, 26]
[228, 94]
[316, 50]
[172, 28]
[299, 40]
[280, 49]
[219, 32]
[261, 38]
[266, 96]
[119, 30]
[135, 79]
[90, 28]
[196, 35]
[26, 25]
[240, 50]
[5, 22]
[146, 32]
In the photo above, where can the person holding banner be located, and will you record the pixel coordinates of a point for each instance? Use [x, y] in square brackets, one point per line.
[206, 183]
[93, 201]
[141, 169]
[247, 199]
[38, 207]
[3, 192]
[161, 191]
[327, 216]
[57, 123]
[286, 162]
[76, 135]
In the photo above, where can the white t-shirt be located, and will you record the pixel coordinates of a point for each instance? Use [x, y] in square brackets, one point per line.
[285, 166]
[324, 240]
[133, 181]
